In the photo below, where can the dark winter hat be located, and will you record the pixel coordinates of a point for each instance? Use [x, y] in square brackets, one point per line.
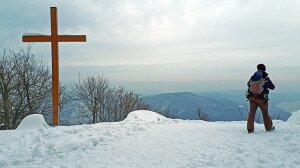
[261, 67]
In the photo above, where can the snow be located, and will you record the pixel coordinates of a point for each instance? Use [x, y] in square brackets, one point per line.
[295, 118]
[34, 121]
[147, 139]
[145, 116]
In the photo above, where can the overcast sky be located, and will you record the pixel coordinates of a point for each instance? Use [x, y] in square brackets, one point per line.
[166, 45]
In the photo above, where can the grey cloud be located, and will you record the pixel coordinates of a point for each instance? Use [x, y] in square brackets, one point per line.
[188, 34]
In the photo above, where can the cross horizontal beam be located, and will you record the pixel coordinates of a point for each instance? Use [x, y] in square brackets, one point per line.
[71, 38]
[39, 38]
[60, 38]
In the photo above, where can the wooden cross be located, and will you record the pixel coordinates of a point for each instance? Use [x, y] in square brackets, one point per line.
[54, 38]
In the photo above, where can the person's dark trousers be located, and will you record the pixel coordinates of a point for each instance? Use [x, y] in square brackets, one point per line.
[254, 104]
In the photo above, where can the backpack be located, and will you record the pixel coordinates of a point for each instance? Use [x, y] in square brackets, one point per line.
[257, 87]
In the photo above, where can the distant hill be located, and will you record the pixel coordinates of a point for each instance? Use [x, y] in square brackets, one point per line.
[184, 105]
[218, 107]
[281, 104]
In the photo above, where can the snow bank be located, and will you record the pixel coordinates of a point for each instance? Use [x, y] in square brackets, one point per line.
[34, 121]
[295, 118]
[147, 139]
[145, 116]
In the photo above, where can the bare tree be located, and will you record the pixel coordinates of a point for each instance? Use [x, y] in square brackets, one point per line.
[36, 80]
[91, 93]
[7, 87]
[99, 102]
[202, 116]
[130, 101]
[64, 103]
[167, 112]
[25, 85]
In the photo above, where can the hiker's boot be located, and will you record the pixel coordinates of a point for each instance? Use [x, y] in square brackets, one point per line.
[272, 129]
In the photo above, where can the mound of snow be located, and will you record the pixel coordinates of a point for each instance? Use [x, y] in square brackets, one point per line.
[295, 118]
[151, 143]
[145, 116]
[34, 121]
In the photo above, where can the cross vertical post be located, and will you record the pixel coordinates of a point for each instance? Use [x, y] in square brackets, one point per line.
[54, 38]
[55, 67]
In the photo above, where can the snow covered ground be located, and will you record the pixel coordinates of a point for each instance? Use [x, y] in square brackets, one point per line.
[146, 139]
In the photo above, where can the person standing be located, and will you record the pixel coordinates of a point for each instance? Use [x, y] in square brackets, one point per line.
[257, 94]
